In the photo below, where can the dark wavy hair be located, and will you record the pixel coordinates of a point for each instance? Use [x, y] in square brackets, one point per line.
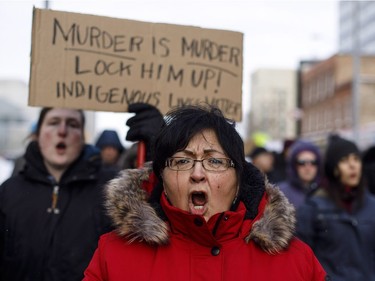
[183, 123]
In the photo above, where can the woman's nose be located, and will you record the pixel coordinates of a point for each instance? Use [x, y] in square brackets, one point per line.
[62, 129]
[198, 173]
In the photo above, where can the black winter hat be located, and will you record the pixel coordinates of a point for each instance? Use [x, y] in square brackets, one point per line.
[337, 149]
[257, 151]
[109, 138]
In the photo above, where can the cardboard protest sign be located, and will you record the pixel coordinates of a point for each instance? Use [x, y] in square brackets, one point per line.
[105, 64]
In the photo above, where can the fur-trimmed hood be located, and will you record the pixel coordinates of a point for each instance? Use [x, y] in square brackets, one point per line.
[138, 219]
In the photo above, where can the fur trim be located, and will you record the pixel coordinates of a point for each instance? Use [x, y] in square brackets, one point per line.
[274, 230]
[135, 219]
[132, 216]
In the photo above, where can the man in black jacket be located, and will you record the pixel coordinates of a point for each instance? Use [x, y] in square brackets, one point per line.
[51, 213]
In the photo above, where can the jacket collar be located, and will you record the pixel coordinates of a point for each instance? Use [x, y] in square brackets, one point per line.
[85, 166]
[219, 228]
[136, 219]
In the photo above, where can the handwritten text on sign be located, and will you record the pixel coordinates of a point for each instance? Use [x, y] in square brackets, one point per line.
[100, 63]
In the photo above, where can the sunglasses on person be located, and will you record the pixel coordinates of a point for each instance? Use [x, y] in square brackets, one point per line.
[307, 162]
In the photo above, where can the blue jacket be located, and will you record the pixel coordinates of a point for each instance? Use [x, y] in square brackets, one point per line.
[343, 242]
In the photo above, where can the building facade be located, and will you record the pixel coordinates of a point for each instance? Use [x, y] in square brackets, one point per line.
[357, 26]
[16, 118]
[273, 103]
[327, 100]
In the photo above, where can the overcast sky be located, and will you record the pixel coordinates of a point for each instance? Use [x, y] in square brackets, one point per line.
[277, 34]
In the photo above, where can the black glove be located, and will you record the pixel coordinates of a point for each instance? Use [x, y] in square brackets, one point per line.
[146, 123]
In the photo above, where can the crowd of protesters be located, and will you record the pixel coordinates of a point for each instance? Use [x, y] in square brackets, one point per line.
[54, 207]
[332, 190]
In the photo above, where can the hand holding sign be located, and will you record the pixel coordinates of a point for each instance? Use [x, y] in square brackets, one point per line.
[144, 125]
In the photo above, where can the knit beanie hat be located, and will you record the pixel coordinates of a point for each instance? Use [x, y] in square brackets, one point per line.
[257, 151]
[337, 149]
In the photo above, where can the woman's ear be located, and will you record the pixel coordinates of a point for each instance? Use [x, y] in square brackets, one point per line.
[236, 197]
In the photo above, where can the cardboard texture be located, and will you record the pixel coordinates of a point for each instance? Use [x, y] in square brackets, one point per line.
[105, 64]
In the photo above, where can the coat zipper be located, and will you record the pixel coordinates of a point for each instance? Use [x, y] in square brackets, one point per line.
[55, 194]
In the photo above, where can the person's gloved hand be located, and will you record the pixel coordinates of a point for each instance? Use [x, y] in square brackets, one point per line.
[145, 124]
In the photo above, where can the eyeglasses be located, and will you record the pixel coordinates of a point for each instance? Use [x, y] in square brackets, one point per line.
[307, 162]
[209, 164]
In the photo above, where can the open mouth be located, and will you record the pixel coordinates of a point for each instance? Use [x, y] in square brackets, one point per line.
[354, 176]
[198, 200]
[61, 147]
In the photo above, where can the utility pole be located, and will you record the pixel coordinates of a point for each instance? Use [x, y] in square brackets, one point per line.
[356, 56]
[46, 4]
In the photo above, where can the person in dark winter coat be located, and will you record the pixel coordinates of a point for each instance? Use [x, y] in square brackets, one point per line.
[303, 170]
[210, 216]
[263, 159]
[52, 213]
[338, 221]
[110, 147]
[279, 166]
[368, 160]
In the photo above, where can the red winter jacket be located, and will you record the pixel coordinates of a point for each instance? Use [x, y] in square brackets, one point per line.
[184, 247]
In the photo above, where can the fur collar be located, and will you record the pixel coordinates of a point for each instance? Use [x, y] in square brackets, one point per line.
[137, 220]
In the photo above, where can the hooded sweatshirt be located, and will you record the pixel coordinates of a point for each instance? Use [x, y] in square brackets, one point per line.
[293, 187]
[154, 240]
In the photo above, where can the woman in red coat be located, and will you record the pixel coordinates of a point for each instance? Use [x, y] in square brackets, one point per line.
[211, 216]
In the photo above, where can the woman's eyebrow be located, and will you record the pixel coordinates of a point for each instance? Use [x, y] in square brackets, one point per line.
[205, 151]
[188, 152]
[212, 150]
